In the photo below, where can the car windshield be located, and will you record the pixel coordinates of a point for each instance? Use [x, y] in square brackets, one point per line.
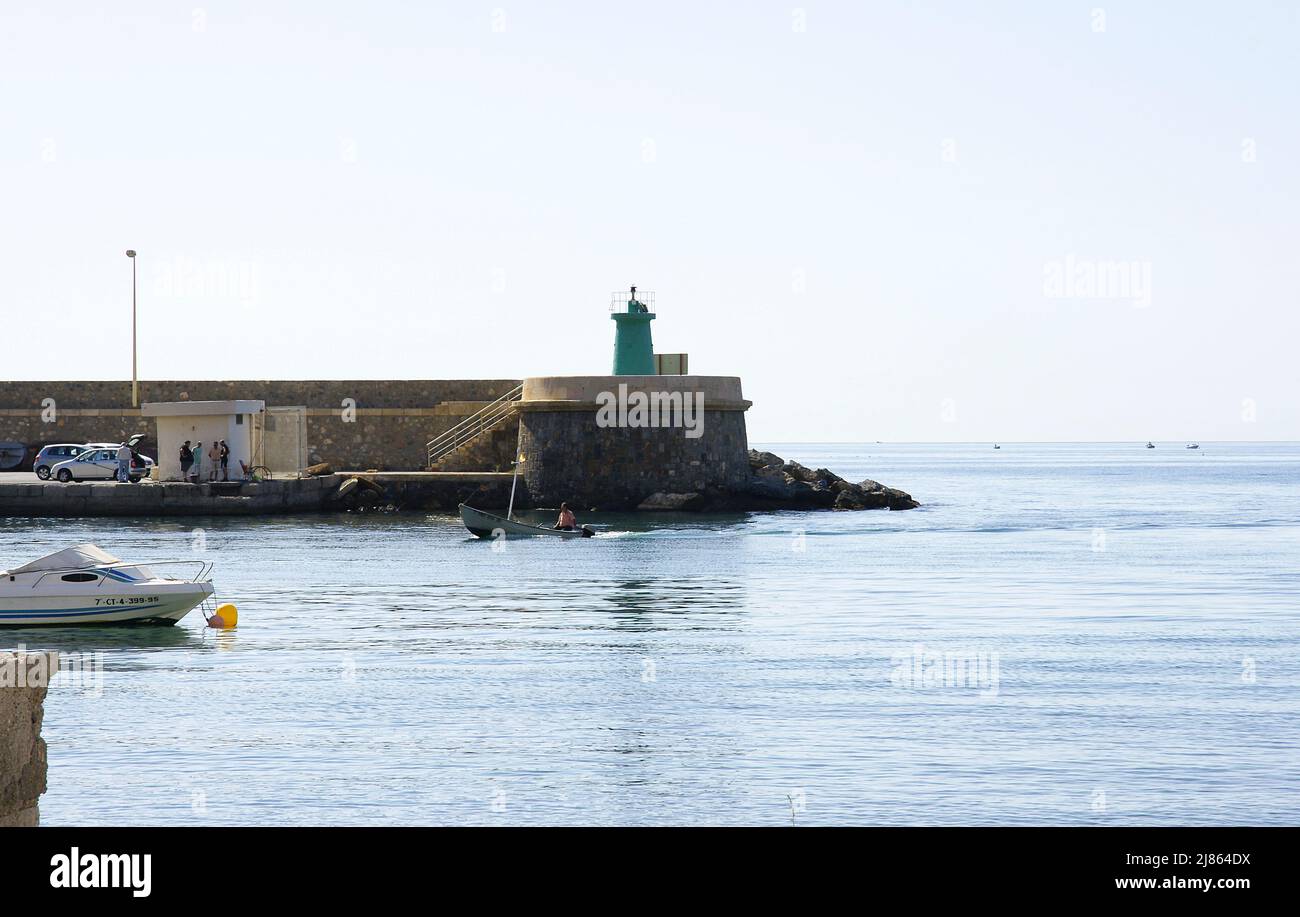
[87, 456]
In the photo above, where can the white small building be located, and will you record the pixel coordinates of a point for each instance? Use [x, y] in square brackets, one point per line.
[203, 423]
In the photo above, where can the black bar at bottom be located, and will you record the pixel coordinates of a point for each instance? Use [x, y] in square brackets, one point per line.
[328, 865]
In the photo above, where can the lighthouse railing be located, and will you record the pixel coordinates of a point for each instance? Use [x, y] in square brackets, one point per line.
[618, 301]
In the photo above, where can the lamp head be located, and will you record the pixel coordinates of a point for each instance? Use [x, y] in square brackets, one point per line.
[130, 252]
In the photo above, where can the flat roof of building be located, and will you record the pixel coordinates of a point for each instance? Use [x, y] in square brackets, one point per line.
[200, 408]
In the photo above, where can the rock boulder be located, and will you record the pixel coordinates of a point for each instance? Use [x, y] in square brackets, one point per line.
[672, 502]
[776, 484]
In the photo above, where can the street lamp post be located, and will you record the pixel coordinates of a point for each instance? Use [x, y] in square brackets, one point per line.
[135, 385]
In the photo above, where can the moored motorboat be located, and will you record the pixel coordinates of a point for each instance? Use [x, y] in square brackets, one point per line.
[489, 525]
[87, 585]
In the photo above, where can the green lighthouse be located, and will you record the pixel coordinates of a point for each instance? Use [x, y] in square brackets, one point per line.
[634, 352]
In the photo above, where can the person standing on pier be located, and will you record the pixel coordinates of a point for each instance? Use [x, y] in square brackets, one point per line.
[214, 459]
[124, 463]
[187, 460]
[225, 461]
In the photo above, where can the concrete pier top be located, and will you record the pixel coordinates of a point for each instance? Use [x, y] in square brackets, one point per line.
[721, 393]
[427, 477]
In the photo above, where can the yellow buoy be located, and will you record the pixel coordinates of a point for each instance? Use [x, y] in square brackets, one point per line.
[227, 616]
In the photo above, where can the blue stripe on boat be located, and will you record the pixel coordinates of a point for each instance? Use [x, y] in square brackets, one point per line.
[74, 612]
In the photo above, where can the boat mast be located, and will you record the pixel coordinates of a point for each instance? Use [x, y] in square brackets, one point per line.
[514, 476]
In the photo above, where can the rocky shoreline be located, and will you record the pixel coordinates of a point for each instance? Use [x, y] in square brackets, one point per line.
[777, 484]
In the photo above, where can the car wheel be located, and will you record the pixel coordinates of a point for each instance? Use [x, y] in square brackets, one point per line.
[43, 473]
[64, 476]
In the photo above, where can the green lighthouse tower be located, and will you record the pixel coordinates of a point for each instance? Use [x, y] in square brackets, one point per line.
[634, 352]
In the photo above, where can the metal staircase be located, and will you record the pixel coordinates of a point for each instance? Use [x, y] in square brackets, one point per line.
[475, 425]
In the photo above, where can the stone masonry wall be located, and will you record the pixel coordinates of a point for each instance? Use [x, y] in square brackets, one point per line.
[393, 419]
[108, 498]
[571, 458]
[22, 750]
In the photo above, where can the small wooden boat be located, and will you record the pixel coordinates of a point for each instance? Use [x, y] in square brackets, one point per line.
[487, 525]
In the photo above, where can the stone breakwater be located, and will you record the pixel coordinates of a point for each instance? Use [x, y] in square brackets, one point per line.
[774, 483]
[22, 750]
[574, 447]
[768, 483]
[574, 453]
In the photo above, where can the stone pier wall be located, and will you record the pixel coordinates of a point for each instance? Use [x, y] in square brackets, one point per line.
[488, 491]
[355, 425]
[109, 498]
[571, 456]
[22, 750]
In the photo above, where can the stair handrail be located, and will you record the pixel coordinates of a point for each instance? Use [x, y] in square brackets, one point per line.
[509, 396]
[456, 436]
[472, 425]
[480, 425]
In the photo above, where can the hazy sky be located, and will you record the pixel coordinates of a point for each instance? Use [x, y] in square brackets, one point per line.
[884, 217]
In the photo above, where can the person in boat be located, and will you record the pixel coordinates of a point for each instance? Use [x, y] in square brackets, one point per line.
[567, 521]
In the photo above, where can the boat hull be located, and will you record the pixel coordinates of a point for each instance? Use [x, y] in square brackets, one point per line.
[148, 603]
[487, 525]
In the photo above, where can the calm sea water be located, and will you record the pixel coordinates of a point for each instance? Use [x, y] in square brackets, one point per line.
[1129, 617]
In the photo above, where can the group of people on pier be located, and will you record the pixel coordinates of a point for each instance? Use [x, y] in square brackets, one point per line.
[218, 460]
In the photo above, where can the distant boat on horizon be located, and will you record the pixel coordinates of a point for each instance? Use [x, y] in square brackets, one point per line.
[996, 446]
[1151, 445]
[1193, 445]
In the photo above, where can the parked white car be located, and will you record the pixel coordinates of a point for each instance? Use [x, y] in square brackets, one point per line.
[98, 464]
